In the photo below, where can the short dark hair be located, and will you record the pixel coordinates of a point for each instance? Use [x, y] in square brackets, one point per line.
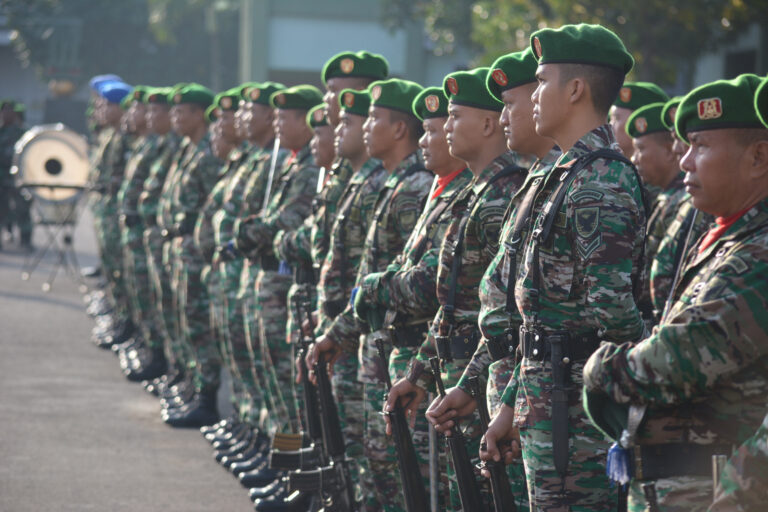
[747, 136]
[662, 138]
[415, 127]
[604, 82]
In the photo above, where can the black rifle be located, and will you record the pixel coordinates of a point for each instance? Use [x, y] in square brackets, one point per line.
[469, 491]
[503, 500]
[413, 486]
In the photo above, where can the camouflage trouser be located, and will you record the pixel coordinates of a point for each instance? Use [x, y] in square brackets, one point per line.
[586, 487]
[271, 313]
[346, 390]
[20, 202]
[211, 280]
[108, 235]
[499, 374]
[172, 269]
[194, 317]
[137, 280]
[161, 304]
[293, 338]
[380, 448]
[682, 494]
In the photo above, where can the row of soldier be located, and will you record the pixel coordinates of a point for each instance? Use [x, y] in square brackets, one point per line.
[491, 230]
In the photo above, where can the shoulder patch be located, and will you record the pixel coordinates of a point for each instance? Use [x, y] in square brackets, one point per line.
[586, 220]
[737, 264]
[586, 195]
[586, 248]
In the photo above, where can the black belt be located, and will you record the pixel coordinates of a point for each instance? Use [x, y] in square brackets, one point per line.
[456, 346]
[652, 462]
[333, 308]
[409, 335]
[503, 345]
[537, 345]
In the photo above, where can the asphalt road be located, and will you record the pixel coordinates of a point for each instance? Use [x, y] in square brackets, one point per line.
[74, 434]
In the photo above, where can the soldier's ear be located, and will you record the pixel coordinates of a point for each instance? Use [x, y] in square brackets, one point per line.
[758, 153]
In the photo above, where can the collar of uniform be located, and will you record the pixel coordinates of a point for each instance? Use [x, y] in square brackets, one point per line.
[497, 165]
[457, 184]
[365, 171]
[341, 170]
[600, 138]
[755, 216]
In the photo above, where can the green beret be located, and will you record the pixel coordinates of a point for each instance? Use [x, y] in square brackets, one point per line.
[634, 95]
[317, 117]
[718, 105]
[510, 71]
[761, 102]
[5, 102]
[355, 102]
[395, 94]
[227, 100]
[302, 97]
[138, 94]
[19, 107]
[469, 88]
[157, 95]
[191, 93]
[244, 88]
[581, 44]
[356, 64]
[668, 112]
[210, 113]
[261, 92]
[430, 103]
[645, 121]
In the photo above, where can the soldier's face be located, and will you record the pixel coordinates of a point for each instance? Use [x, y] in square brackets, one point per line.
[654, 159]
[434, 148]
[679, 147]
[379, 132]
[137, 121]
[550, 100]
[227, 125]
[331, 98]
[322, 146]
[517, 119]
[6, 114]
[158, 118]
[291, 128]
[714, 173]
[464, 128]
[186, 118]
[260, 120]
[241, 115]
[618, 119]
[349, 136]
[112, 113]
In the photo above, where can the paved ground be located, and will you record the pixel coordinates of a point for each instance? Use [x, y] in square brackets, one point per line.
[74, 434]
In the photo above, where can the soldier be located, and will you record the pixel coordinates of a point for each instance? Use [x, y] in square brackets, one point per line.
[337, 277]
[350, 70]
[659, 167]
[185, 194]
[578, 264]
[697, 385]
[632, 96]
[10, 132]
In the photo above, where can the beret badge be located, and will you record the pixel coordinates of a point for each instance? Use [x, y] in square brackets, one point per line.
[347, 65]
[432, 103]
[710, 108]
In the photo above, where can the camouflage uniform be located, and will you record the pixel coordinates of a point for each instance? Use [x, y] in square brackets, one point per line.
[702, 373]
[9, 134]
[688, 224]
[396, 211]
[336, 279]
[185, 196]
[288, 207]
[159, 310]
[742, 485]
[584, 276]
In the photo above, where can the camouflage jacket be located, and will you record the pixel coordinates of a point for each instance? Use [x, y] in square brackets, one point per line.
[149, 198]
[345, 246]
[9, 134]
[493, 318]
[136, 173]
[205, 239]
[669, 254]
[662, 214]
[397, 208]
[588, 269]
[119, 152]
[289, 205]
[703, 373]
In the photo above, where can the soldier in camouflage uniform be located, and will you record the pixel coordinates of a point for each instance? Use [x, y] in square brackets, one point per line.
[391, 135]
[337, 278]
[10, 132]
[632, 96]
[574, 282]
[659, 167]
[184, 196]
[287, 208]
[696, 387]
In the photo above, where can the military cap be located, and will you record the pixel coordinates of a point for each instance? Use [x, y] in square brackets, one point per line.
[645, 121]
[138, 94]
[317, 116]
[114, 92]
[668, 112]
[394, 94]
[19, 107]
[430, 103]
[7, 101]
[227, 100]
[581, 44]
[469, 88]
[718, 105]
[191, 93]
[302, 97]
[97, 80]
[211, 113]
[157, 95]
[761, 102]
[243, 89]
[634, 95]
[261, 92]
[356, 64]
[355, 102]
[510, 71]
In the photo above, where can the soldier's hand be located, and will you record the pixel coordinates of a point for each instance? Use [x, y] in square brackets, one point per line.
[327, 347]
[410, 396]
[306, 326]
[502, 440]
[443, 412]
